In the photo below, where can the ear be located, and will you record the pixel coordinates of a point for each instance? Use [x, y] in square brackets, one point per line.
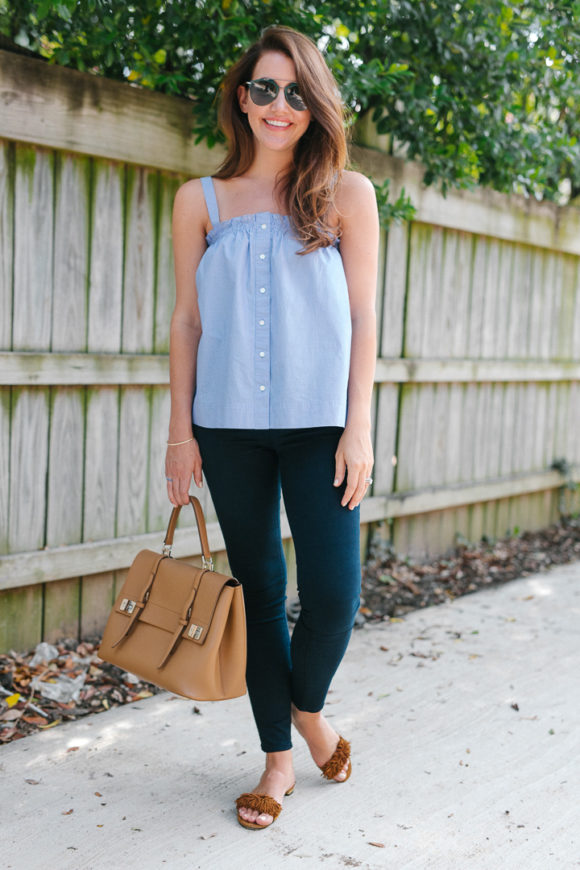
[243, 98]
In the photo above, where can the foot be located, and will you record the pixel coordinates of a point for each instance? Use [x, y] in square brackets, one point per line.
[277, 778]
[320, 736]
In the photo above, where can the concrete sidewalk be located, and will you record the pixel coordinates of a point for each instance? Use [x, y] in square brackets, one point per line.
[447, 772]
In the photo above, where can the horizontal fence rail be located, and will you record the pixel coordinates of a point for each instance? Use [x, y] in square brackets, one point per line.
[52, 369]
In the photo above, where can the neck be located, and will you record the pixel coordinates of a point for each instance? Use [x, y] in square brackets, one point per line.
[268, 165]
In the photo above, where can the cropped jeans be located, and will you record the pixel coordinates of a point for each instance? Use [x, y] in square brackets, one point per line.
[246, 469]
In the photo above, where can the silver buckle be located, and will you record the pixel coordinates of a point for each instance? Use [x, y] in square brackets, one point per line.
[166, 549]
[207, 563]
[128, 605]
[195, 631]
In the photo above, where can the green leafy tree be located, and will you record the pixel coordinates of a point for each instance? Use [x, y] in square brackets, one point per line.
[479, 92]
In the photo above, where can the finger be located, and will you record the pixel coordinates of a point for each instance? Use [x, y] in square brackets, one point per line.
[355, 490]
[170, 493]
[339, 470]
[183, 493]
[350, 489]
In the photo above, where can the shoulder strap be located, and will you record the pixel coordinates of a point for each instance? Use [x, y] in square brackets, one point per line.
[210, 199]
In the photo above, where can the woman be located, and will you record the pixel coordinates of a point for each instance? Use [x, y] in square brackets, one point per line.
[272, 359]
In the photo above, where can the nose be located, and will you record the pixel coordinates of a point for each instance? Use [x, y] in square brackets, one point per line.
[280, 101]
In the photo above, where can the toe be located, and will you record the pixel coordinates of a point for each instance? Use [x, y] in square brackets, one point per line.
[264, 819]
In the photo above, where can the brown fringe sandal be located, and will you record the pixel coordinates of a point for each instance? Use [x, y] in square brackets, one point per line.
[337, 761]
[261, 802]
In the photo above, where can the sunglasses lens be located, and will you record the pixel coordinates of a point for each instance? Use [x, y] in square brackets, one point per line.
[263, 91]
[294, 98]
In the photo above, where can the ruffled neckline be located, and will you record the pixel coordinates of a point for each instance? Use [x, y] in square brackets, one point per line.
[282, 220]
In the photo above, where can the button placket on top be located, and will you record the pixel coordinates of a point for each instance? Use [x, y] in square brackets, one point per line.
[262, 256]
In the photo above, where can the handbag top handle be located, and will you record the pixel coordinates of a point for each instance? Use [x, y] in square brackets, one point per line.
[200, 520]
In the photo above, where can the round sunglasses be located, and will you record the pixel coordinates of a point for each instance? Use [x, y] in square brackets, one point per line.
[265, 91]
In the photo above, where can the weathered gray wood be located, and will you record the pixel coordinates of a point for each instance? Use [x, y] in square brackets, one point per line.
[96, 603]
[101, 458]
[139, 277]
[61, 610]
[385, 438]
[158, 506]
[21, 617]
[28, 368]
[483, 211]
[6, 241]
[69, 310]
[106, 269]
[55, 105]
[165, 297]
[33, 253]
[393, 295]
[5, 401]
[65, 467]
[28, 468]
[133, 461]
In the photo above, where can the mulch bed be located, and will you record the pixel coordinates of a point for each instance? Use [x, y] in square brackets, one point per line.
[391, 587]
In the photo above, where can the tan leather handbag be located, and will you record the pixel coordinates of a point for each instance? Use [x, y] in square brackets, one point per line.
[179, 626]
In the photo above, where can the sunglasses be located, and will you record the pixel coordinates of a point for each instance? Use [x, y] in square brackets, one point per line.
[265, 91]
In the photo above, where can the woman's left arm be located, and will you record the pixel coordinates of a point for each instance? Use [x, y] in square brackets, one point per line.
[359, 248]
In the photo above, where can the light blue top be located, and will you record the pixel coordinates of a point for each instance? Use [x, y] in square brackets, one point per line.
[275, 348]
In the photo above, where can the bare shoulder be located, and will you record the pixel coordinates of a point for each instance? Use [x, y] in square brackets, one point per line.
[355, 193]
[189, 205]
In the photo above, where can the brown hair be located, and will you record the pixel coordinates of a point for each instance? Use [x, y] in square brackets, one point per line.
[309, 187]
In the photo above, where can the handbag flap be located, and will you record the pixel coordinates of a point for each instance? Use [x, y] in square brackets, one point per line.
[175, 585]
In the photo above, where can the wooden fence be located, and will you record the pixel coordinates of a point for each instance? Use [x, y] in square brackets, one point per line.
[476, 388]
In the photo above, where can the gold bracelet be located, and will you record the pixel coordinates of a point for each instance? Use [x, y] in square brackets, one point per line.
[177, 443]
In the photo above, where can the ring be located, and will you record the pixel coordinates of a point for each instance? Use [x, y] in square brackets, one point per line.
[368, 480]
[168, 478]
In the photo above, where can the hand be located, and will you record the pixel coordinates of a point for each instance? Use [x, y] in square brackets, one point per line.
[355, 453]
[181, 462]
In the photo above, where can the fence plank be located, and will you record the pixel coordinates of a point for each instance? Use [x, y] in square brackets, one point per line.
[5, 413]
[139, 272]
[133, 460]
[33, 234]
[101, 452]
[61, 610]
[21, 618]
[392, 299]
[28, 469]
[159, 506]
[165, 298]
[106, 259]
[65, 467]
[6, 241]
[96, 601]
[71, 215]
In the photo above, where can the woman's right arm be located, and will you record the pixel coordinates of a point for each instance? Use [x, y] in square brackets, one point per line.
[189, 227]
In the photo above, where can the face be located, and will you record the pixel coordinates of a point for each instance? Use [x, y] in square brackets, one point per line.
[276, 126]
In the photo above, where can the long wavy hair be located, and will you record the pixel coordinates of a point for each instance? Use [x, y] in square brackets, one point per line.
[309, 187]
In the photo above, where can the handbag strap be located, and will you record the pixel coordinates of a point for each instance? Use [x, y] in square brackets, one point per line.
[206, 558]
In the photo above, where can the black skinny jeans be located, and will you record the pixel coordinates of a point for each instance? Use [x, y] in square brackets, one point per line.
[245, 470]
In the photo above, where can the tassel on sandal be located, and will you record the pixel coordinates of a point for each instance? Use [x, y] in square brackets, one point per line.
[261, 802]
[337, 761]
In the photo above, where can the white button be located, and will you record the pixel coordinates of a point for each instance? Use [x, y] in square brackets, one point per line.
[263, 226]
[261, 353]
[262, 289]
[262, 256]
[261, 322]
[262, 387]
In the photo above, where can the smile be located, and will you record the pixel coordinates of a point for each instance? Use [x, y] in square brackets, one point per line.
[273, 123]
